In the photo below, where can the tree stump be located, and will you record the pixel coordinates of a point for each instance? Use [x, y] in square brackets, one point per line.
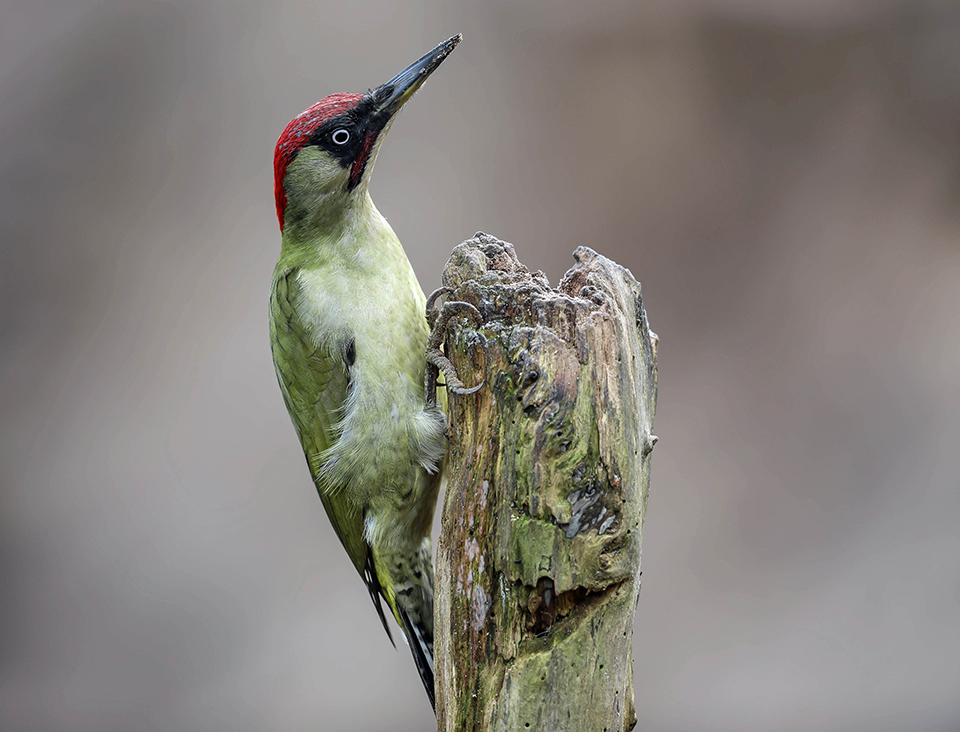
[538, 566]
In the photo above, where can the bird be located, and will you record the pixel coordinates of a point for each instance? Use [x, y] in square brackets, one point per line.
[348, 334]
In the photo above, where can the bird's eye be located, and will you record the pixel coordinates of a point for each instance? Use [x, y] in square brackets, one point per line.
[340, 137]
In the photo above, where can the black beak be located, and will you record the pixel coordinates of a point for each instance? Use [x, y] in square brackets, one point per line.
[379, 106]
[389, 97]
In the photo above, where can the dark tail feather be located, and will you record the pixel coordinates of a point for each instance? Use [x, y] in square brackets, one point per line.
[373, 587]
[419, 638]
[422, 649]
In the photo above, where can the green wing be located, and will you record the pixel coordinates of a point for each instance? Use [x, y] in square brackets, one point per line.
[314, 384]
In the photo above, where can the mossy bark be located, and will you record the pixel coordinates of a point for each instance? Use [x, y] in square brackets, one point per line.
[538, 566]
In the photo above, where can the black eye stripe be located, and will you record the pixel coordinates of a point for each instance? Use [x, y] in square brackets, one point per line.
[325, 132]
[340, 137]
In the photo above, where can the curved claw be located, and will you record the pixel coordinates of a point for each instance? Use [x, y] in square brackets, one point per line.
[445, 314]
[439, 319]
[434, 296]
[440, 362]
[466, 392]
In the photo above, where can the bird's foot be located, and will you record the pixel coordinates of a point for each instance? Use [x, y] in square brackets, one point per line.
[439, 319]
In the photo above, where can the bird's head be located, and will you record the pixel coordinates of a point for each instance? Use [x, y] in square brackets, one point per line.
[324, 157]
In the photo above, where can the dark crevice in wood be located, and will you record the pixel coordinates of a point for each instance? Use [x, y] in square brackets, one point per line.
[546, 610]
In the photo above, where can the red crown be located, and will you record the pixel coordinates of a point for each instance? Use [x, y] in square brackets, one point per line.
[297, 135]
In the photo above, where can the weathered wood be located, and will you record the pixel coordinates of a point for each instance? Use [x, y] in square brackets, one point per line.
[538, 566]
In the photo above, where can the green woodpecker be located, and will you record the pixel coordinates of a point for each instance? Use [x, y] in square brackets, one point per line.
[348, 333]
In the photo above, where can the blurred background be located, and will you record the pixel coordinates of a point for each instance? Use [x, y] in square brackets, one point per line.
[783, 176]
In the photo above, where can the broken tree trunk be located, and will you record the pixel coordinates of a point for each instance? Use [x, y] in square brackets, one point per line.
[538, 566]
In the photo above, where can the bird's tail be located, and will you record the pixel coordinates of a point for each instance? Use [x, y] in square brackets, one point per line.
[420, 638]
[406, 583]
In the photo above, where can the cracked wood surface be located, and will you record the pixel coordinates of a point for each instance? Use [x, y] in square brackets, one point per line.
[538, 564]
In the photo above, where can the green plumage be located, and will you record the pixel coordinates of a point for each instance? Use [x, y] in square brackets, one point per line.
[314, 387]
[349, 335]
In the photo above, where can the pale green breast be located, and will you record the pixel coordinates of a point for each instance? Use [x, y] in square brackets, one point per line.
[358, 296]
[379, 437]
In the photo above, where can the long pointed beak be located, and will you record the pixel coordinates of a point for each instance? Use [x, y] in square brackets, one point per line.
[391, 96]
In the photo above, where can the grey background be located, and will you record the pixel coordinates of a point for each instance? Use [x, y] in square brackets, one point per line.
[782, 176]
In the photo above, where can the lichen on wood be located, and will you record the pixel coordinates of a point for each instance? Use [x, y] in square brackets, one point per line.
[538, 563]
